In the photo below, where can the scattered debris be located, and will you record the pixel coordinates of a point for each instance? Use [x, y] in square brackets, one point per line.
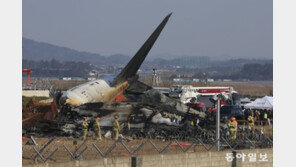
[108, 135]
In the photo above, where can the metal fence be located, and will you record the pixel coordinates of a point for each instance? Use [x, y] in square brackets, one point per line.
[61, 149]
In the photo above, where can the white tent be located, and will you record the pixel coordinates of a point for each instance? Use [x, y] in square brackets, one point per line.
[261, 103]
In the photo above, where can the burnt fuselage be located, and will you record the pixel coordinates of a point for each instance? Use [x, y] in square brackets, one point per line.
[93, 92]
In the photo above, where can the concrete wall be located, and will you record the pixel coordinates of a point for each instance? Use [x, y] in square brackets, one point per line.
[201, 159]
[38, 93]
[103, 162]
[258, 163]
[204, 159]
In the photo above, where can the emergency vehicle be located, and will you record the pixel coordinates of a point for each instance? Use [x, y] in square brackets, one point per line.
[189, 94]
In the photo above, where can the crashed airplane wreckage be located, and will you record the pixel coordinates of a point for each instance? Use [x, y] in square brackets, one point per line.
[137, 105]
[144, 115]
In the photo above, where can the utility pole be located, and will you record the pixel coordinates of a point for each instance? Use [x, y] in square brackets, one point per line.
[218, 123]
[206, 75]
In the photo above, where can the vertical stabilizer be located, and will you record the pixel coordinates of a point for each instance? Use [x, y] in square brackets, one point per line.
[134, 64]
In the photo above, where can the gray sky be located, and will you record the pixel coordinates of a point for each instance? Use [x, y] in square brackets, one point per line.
[216, 28]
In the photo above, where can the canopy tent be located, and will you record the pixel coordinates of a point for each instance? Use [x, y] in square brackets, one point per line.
[261, 103]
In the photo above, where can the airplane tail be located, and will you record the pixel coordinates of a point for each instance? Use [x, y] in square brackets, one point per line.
[134, 64]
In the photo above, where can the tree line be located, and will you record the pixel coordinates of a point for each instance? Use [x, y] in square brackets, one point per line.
[54, 68]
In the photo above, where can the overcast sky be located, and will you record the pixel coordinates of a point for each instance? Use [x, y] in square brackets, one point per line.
[216, 28]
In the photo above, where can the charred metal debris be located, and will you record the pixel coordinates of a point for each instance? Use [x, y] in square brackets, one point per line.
[151, 115]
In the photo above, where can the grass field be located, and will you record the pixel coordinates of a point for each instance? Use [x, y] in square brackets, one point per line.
[245, 89]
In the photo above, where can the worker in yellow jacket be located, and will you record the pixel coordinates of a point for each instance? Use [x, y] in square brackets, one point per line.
[232, 126]
[97, 129]
[84, 128]
[251, 122]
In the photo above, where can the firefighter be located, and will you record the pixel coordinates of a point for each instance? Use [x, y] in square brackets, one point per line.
[232, 126]
[115, 127]
[251, 122]
[97, 129]
[257, 116]
[84, 128]
[265, 117]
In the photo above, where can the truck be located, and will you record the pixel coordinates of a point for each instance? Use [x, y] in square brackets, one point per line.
[187, 92]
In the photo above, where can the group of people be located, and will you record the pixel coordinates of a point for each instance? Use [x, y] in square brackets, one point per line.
[261, 117]
[97, 128]
[264, 117]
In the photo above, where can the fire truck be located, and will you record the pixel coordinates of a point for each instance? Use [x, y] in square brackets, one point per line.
[189, 94]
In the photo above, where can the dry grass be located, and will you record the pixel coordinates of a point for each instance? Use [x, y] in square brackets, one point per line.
[58, 84]
[252, 89]
[249, 89]
[246, 89]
